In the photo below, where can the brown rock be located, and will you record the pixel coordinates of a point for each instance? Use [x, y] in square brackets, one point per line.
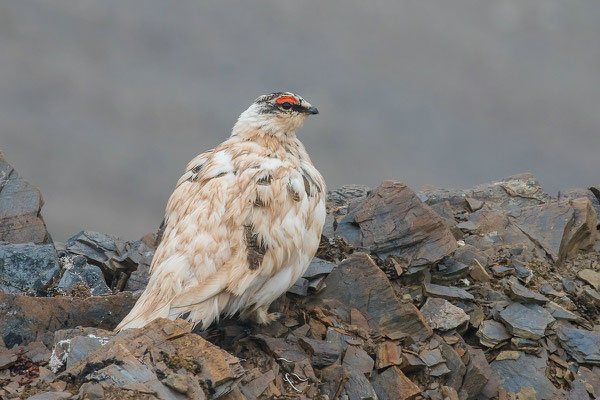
[478, 372]
[358, 359]
[20, 207]
[392, 384]
[25, 319]
[257, 386]
[333, 378]
[392, 220]
[590, 276]
[7, 358]
[358, 283]
[126, 361]
[561, 228]
[387, 353]
[322, 353]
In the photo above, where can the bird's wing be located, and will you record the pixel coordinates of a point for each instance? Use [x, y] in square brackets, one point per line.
[236, 217]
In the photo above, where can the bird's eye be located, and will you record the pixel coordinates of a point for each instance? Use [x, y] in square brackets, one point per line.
[287, 105]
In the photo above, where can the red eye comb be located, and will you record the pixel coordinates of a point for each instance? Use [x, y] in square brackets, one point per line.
[288, 99]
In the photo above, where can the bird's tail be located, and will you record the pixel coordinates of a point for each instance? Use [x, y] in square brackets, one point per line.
[170, 297]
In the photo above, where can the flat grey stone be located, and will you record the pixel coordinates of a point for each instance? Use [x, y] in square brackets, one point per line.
[527, 371]
[442, 315]
[521, 293]
[318, 267]
[446, 292]
[529, 322]
[491, 333]
[582, 345]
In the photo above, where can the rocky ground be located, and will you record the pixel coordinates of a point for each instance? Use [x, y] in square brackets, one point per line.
[485, 293]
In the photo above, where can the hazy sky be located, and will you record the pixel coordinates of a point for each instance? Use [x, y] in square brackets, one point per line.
[102, 103]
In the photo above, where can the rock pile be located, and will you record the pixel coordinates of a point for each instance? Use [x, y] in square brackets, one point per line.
[485, 293]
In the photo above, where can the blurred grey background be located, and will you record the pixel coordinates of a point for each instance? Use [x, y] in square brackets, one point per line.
[102, 103]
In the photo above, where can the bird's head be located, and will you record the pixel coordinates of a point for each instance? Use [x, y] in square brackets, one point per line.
[275, 114]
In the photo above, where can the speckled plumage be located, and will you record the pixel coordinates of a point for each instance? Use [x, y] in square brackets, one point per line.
[242, 224]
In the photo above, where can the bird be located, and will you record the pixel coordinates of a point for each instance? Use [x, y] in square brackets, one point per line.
[241, 226]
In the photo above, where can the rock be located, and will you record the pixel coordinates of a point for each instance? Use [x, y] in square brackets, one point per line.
[590, 276]
[561, 228]
[387, 353]
[521, 293]
[528, 322]
[474, 204]
[20, 209]
[318, 267]
[343, 196]
[78, 270]
[453, 363]
[257, 386]
[590, 378]
[51, 396]
[478, 273]
[127, 360]
[37, 352]
[393, 221]
[500, 271]
[322, 353]
[26, 319]
[91, 391]
[449, 270]
[477, 375]
[578, 391]
[300, 287]
[590, 296]
[7, 358]
[447, 292]
[559, 312]
[582, 345]
[432, 357]
[392, 384]
[333, 380]
[492, 333]
[140, 253]
[358, 359]
[527, 371]
[442, 315]
[27, 267]
[358, 283]
[282, 348]
[513, 192]
[179, 382]
[439, 370]
[358, 387]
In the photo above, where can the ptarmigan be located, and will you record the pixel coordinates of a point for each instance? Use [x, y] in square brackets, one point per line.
[242, 225]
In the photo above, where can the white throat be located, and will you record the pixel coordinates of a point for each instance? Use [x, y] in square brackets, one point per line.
[252, 121]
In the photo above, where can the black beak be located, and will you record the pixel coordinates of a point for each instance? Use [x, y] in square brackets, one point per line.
[313, 110]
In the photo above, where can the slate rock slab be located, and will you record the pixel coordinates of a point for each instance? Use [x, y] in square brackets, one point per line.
[358, 283]
[25, 319]
[442, 315]
[392, 220]
[128, 361]
[582, 345]
[521, 293]
[561, 228]
[20, 209]
[491, 333]
[447, 292]
[78, 270]
[27, 267]
[527, 371]
[392, 384]
[529, 322]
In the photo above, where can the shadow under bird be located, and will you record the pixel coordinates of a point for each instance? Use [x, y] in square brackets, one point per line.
[242, 225]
